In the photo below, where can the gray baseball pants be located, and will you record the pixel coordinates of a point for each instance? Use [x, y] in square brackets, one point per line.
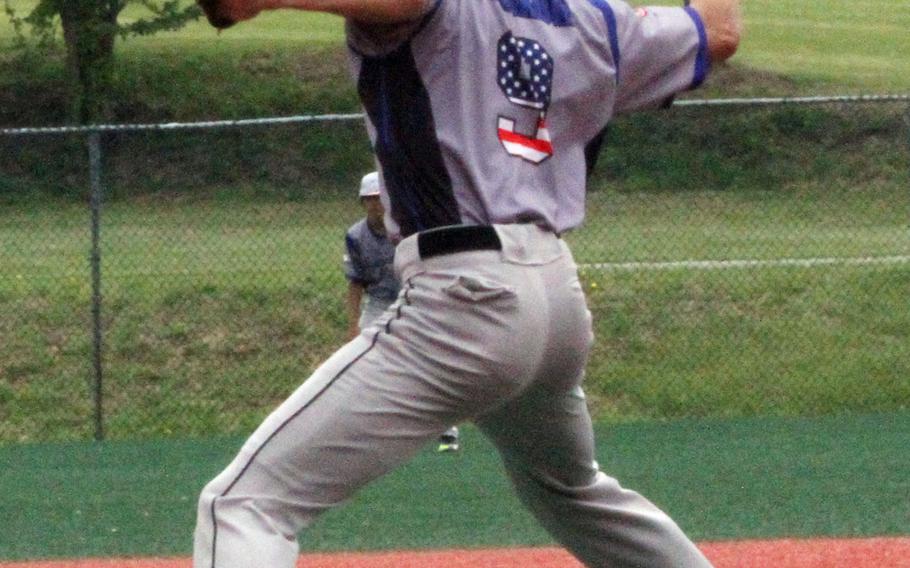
[500, 337]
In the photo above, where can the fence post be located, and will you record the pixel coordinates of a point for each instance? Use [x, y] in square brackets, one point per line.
[94, 153]
[907, 122]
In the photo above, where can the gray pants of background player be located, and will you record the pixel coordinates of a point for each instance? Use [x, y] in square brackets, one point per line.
[500, 337]
[372, 310]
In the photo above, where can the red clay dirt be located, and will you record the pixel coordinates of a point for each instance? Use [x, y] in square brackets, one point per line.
[787, 553]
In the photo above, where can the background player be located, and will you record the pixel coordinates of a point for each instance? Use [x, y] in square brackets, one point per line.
[480, 112]
[372, 285]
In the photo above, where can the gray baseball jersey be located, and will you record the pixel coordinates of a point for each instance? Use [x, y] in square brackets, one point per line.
[368, 262]
[481, 112]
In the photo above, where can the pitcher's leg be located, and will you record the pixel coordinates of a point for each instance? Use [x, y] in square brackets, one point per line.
[546, 441]
[355, 419]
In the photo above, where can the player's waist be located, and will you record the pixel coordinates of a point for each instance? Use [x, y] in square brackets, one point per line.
[514, 243]
[453, 239]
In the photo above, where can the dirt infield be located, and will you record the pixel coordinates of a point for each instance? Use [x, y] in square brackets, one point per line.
[788, 553]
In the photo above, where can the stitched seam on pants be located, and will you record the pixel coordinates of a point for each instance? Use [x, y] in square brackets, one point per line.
[271, 437]
[410, 286]
[406, 302]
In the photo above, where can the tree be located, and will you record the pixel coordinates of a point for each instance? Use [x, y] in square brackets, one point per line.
[90, 28]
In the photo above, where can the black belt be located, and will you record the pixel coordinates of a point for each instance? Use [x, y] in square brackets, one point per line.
[457, 238]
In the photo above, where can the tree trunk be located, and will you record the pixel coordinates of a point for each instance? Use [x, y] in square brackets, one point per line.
[89, 30]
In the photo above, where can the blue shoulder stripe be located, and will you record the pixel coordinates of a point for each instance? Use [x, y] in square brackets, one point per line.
[610, 19]
[702, 58]
[553, 12]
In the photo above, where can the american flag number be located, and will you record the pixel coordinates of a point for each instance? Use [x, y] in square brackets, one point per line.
[525, 77]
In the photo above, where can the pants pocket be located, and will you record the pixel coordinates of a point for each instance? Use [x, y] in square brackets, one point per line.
[477, 290]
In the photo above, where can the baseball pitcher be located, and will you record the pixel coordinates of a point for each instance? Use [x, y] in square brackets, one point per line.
[480, 113]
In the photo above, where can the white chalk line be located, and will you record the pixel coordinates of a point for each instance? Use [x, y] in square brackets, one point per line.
[745, 263]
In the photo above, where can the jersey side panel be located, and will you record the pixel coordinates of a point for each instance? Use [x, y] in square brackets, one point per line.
[501, 98]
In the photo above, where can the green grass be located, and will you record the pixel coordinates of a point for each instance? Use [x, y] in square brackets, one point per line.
[834, 43]
[784, 342]
[720, 479]
[860, 46]
[214, 310]
[739, 341]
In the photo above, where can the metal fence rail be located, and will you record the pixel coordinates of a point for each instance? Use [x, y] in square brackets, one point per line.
[221, 286]
[299, 119]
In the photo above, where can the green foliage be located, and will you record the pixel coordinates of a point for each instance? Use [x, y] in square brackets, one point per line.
[168, 15]
[89, 29]
[42, 21]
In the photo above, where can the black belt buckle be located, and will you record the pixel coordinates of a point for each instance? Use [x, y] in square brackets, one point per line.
[458, 238]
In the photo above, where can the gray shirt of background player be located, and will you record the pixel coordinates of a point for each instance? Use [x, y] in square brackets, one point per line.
[629, 60]
[368, 262]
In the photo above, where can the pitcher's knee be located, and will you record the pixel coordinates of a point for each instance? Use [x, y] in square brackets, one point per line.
[212, 490]
[217, 504]
[563, 480]
[241, 529]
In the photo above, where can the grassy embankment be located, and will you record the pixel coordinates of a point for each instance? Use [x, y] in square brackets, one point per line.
[292, 63]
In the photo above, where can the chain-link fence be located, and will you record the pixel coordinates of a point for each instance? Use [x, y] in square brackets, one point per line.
[740, 258]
